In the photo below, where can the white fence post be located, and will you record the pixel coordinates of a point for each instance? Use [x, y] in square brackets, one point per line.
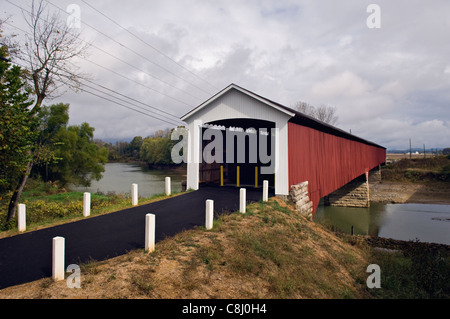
[209, 214]
[86, 204]
[21, 218]
[265, 191]
[58, 252]
[167, 188]
[242, 200]
[134, 194]
[149, 233]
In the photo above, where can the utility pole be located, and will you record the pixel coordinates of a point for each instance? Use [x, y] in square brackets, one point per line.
[410, 151]
[424, 151]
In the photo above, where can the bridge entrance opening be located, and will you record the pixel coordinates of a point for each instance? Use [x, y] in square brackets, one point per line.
[238, 152]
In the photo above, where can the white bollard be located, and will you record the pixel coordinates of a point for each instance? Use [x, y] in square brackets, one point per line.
[168, 191]
[149, 233]
[21, 218]
[209, 214]
[134, 194]
[265, 191]
[86, 204]
[58, 252]
[242, 200]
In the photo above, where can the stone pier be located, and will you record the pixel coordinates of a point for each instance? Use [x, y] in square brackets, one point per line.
[356, 193]
[299, 195]
[353, 194]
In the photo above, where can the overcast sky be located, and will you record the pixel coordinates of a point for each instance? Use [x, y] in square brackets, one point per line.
[388, 84]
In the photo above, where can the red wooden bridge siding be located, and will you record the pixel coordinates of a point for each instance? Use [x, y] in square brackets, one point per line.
[326, 161]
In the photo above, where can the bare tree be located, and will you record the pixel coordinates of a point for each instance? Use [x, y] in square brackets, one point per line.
[50, 47]
[327, 114]
[323, 113]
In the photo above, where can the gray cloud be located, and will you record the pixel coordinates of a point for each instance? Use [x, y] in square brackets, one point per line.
[388, 84]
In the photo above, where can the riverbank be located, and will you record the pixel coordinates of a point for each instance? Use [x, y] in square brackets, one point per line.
[418, 180]
[178, 168]
[407, 192]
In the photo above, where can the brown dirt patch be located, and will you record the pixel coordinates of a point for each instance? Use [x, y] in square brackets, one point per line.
[394, 192]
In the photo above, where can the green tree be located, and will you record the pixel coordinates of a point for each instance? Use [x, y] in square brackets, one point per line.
[73, 157]
[81, 160]
[134, 148]
[17, 128]
[156, 150]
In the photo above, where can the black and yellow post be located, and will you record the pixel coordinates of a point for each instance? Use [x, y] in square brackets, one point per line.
[221, 175]
[256, 176]
[237, 176]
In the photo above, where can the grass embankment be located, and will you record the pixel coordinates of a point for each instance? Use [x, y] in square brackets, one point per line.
[48, 205]
[268, 252]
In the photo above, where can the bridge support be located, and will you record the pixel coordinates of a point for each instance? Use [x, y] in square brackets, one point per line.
[357, 192]
[299, 195]
[375, 175]
[353, 194]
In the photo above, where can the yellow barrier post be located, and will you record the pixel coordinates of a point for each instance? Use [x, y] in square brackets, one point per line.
[237, 176]
[221, 175]
[256, 176]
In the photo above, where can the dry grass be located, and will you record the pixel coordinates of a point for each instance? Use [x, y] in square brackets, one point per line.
[269, 252]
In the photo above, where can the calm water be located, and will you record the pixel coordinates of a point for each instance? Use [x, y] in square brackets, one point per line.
[425, 222]
[118, 178]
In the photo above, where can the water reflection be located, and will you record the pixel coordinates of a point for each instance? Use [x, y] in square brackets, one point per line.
[425, 222]
[118, 178]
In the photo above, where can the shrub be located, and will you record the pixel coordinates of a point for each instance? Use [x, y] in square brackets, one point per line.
[40, 210]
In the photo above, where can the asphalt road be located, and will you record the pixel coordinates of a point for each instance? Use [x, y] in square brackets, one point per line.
[28, 257]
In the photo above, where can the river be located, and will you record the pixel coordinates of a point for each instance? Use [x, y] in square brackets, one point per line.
[423, 222]
[118, 178]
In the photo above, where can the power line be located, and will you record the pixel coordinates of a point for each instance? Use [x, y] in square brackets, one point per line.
[113, 56]
[167, 120]
[160, 52]
[137, 82]
[115, 102]
[130, 98]
[130, 108]
[116, 73]
[149, 45]
[138, 54]
[178, 122]
[175, 122]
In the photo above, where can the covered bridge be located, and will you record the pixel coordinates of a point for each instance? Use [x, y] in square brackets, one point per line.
[281, 145]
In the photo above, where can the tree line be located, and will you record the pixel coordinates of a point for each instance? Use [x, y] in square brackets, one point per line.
[153, 150]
